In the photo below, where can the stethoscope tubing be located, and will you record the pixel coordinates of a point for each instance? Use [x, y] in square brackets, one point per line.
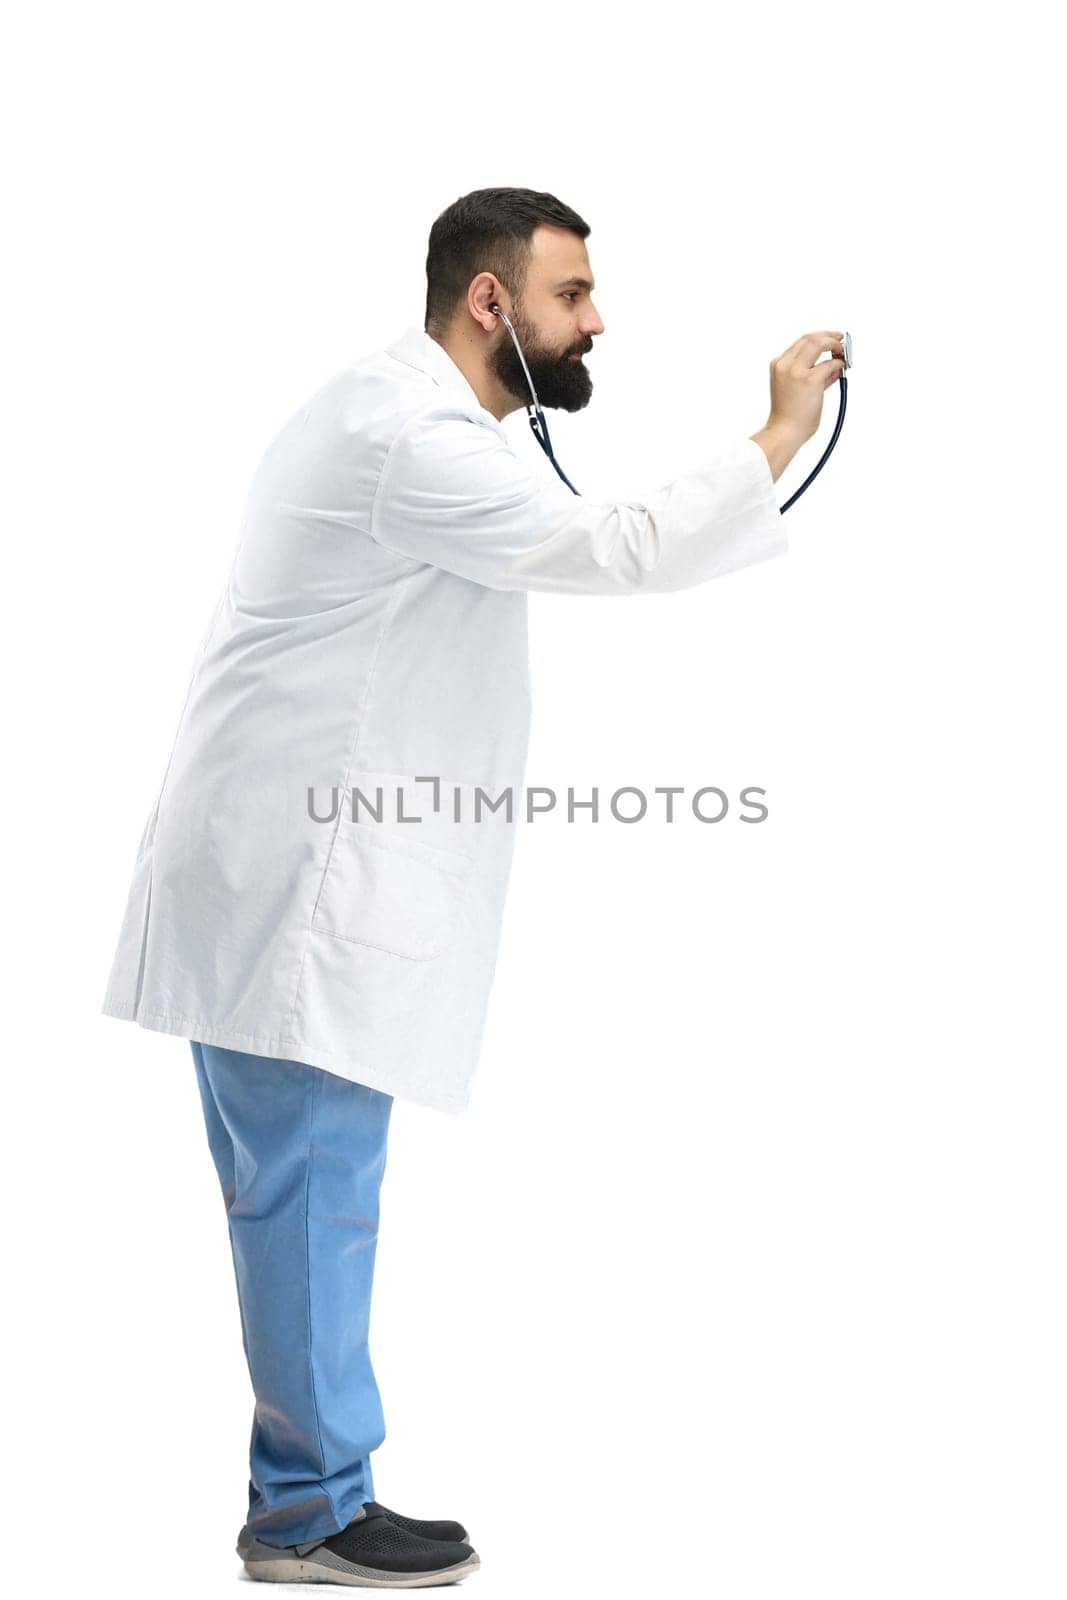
[536, 415]
[817, 468]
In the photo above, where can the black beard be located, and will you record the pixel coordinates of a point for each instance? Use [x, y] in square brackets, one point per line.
[560, 382]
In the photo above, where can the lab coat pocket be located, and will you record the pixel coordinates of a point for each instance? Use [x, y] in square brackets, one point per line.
[391, 892]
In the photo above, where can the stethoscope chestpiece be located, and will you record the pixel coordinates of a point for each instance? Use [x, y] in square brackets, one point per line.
[848, 351]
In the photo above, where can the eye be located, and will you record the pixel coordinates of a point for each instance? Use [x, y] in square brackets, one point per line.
[572, 294]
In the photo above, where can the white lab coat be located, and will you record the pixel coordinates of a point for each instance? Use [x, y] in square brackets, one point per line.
[372, 631]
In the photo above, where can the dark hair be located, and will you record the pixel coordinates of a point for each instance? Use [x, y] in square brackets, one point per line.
[488, 230]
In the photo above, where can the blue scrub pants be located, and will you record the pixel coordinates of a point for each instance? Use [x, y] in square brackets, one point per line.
[300, 1155]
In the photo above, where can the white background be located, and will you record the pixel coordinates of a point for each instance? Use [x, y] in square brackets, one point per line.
[744, 1273]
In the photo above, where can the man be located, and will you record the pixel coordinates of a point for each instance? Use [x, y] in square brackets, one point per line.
[317, 894]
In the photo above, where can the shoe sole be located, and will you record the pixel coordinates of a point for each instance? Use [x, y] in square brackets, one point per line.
[268, 1565]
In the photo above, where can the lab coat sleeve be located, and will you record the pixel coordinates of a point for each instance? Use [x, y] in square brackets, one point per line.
[454, 493]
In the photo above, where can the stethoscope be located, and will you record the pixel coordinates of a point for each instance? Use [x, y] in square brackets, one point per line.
[540, 426]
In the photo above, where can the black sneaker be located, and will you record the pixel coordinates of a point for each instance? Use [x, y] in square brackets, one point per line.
[424, 1529]
[373, 1552]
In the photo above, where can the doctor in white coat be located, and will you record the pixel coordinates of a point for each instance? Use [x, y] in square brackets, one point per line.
[317, 894]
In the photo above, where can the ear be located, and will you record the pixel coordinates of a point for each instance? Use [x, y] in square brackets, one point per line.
[483, 299]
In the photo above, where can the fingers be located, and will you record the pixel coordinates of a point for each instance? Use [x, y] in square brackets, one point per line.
[813, 345]
[810, 346]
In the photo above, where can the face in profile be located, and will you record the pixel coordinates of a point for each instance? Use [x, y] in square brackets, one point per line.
[554, 320]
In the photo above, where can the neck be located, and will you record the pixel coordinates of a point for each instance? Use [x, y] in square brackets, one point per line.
[467, 350]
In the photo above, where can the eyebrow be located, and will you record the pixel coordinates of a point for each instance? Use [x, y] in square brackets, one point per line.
[582, 283]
